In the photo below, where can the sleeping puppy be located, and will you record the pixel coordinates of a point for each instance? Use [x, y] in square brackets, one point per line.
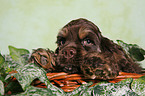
[82, 49]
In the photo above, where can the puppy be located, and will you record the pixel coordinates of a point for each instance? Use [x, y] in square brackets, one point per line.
[82, 49]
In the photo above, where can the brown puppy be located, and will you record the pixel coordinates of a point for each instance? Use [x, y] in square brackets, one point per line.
[82, 49]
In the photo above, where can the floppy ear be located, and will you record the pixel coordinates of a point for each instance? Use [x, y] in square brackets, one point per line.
[107, 45]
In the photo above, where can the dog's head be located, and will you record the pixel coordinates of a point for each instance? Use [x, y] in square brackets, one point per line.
[74, 40]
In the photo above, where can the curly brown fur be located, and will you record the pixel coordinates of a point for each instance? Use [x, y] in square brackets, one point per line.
[43, 58]
[81, 37]
[100, 66]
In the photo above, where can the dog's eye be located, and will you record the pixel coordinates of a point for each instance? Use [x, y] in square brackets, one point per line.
[86, 42]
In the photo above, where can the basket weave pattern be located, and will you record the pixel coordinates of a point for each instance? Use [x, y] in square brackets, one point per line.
[69, 82]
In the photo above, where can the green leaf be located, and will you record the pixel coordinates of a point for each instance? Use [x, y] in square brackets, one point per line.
[80, 90]
[10, 64]
[26, 74]
[37, 92]
[2, 69]
[88, 92]
[138, 86]
[17, 54]
[1, 88]
[136, 53]
[29, 72]
[142, 51]
[111, 89]
[2, 60]
[133, 50]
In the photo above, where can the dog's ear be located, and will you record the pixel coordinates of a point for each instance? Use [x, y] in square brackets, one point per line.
[108, 45]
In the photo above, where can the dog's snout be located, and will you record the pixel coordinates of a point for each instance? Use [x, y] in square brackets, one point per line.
[69, 53]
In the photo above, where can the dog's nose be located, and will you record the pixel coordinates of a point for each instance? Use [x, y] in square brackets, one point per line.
[69, 53]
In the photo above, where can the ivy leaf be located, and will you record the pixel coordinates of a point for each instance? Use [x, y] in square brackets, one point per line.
[117, 89]
[1, 88]
[36, 92]
[10, 64]
[17, 54]
[18, 58]
[88, 91]
[133, 50]
[80, 90]
[2, 69]
[26, 74]
[2, 60]
[138, 86]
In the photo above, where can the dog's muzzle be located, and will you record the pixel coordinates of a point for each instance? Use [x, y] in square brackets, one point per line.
[69, 53]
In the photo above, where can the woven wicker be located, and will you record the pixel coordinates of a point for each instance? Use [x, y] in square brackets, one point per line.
[69, 82]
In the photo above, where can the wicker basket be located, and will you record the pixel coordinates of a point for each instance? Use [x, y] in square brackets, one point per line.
[69, 82]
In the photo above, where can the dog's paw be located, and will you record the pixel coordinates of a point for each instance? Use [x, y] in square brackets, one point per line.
[43, 58]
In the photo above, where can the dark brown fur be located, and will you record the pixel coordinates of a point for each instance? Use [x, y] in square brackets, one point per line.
[81, 37]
